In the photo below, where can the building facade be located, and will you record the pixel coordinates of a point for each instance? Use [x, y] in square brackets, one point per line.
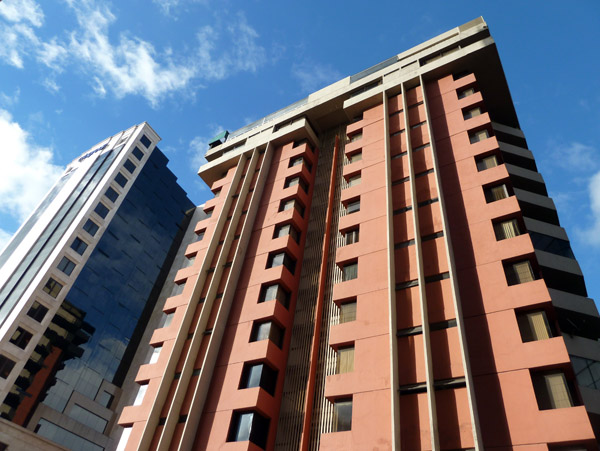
[79, 282]
[380, 268]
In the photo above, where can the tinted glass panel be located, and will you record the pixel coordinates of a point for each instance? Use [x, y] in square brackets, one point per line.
[66, 266]
[90, 227]
[111, 194]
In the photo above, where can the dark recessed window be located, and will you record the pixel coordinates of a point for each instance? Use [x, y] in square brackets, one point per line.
[259, 375]
[79, 246]
[353, 180]
[495, 193]
[551, 390]
[6, 366]
[507, 229]
[267, 330]
[208, 213]
[178, 289]
[353, 206]
[137, 153]
[473, 112]
[298, 161]
[479, 135]
[291, 203]
[66, 266]
[519, 272]
[355, 137]
[121, 180]
[200, 234]
[466, 93]
[275, 291]
[534, 325]
[293, 181]
[350, 271]
[90, 227]
[344, 360]
[111, 194]
[348, 311]
[281, 258]
[342, 415]
[285, 230]
[21, 338]
[101, 210]
[129, 166]
[350, 236]
[145, 141]
[491, 161]
[37, 311]
[52, 287]
[355, 157]
[249, 426]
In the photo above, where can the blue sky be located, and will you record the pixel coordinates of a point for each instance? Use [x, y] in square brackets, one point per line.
[73, 72]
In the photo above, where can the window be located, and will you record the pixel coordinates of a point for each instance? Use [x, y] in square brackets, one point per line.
[129, 166]
[285, 230]
[355, 137]
[342, 415]
[353, 180]
[139, 398]
[275, 291]
[473, 112]
[350, 236]
[267, 330]
[79, 246]
[344, 360]
[488, 162]
[200, 234]
[37, 311]
[145, 141]
[90, 227]
[534, 326]
[167, 319]
[6, 366]
[111, 194]
[348, 311]
[121, 180]
[88, 418]
[259, 375]
[298, 161]
[495, 193]
[350, 271]
[520, 272]
[249, 426]
[281, 258]
[137, 153]
[155, 354]
[52, 287]
[178, 289]
[208, 213]
[292, 203]
[217, 193]
[479, 136]
[296, 181]
[189, 261]
[353, 206]
[551, 390]
[21, 337]
[507, 229]
[66, 266]
[587, 372]
[466, 93]
[355, 157]
[101, 210]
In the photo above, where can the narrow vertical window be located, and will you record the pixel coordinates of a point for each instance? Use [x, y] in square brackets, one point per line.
[534, 326]
[507, 229]
[552, 390]
[348, 312]
[519, 272]
[345, 360]
[342, 415]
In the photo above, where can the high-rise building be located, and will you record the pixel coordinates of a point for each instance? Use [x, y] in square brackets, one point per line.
[78, 284]
[381, 268]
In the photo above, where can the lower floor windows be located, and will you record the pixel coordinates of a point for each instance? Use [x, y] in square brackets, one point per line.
[52, 287]
[259, 375]
[519, 272]
[552, 390]
[21, 338]
[281, 258]
[6, 366]
[268, 330]
[342, 415]
[249, 426]
[494, 193]
[534, 326]
[274, 292]
[37, 311]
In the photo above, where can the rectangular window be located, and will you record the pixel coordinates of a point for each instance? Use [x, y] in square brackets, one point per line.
[342, 415]
[6, 366]
[178, 289]
[285, 230]
[488, 162]
[167, 319]
[534, 326]
[355, 137]
[479, 136]
[495, 193]
[551, 390]
[90, 227]
[350, 271]
[21, 338]
[52, 287]
[88, 418]
[101, 210]
[355, 157]
[473, 112]
[208, 213]
[298, 161]
[137, 153]
[348, 312]
[281, 258]
[353, 206]
[291, 203]
[37, 311]
[155, 354]
[145, 141]
[274, 292]
[466, 93]
[344, 360]
[507, 229]
[249, 426]
[79, 246]
[189, 261]
[353, 180]
[350, 237]
[520, 272]
[268, 330]
[259, 375]
[105, 398]
[200, 234]
[139, 397]
[121, 180]
[111, 194]
[293, 181]
[66, 266]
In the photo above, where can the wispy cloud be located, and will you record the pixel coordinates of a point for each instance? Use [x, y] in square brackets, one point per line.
[128, 65]
[171, 7]
[313, 76]
[27, 171]
[591, 234]
[199, 145]
[575, 156]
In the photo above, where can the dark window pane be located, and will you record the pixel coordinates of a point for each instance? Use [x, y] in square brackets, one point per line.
[6, 366]
[52, 287]
[129, 166]
[90, 227]
[353, 207]
[342, 415]
[21, 337]
[111, 194]
[37, 311]
[268, 330]
[121, 180]
[137, 153]
[79, 246]
[66, 266]
[145, 141]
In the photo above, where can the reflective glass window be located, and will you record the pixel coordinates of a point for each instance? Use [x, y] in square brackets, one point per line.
[121, 180]
[37, 311]
[137, 153]
[79, 246]
[52, 287]
[90, 227]
[66, 266]
[111, 194]
[21, 337]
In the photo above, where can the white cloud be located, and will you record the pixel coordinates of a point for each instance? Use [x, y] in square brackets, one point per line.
[313, 76]
[22, 11]
[168, 6]
[591, 234]
[199, 145]
[27, 171]
[575, 156]
[10, 100]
